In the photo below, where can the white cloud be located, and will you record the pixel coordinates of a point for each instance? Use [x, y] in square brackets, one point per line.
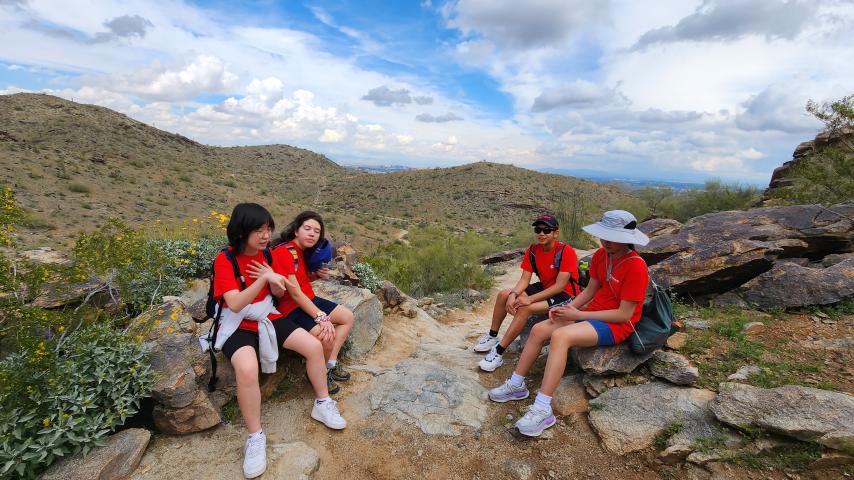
[202, 75]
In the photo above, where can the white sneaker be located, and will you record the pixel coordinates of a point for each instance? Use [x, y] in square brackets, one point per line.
[506, 392]
[327, 414]
[255, 456]
[485, 343]
[535, 421]
[491, 361]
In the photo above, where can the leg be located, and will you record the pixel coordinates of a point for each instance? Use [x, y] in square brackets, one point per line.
[580, 334]
[500, 309]
[310, 347]
[539, 334]
[520, 319]
[245, 363]
[342, 318]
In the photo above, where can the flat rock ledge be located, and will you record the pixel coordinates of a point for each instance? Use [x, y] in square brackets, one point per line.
[432, 397]
[804, 413]
[628, 419]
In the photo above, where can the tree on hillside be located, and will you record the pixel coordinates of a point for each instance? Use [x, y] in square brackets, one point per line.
[653, 197]
[826, 176]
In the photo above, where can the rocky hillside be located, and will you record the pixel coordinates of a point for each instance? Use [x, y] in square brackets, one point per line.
[74, 165]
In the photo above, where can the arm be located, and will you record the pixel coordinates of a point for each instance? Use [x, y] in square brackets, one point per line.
[560, 284]
[304, 303]
[617, 315]
[518, 290]
[237, 299]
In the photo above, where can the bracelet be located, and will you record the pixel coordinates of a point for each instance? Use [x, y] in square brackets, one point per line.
[319, 314]
[319, 320]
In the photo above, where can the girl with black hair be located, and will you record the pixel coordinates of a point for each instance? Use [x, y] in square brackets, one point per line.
[325, 319]
[251, 329]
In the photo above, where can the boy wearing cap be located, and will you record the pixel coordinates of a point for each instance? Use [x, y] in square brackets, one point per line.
[556, 285]
[604, 314]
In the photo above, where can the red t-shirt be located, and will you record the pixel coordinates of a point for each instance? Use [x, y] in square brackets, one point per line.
[284, 257]
[546, 269]
[225, 281]
[628, 281]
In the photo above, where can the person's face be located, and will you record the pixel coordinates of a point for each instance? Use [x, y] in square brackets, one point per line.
[613, 247]
[259, 238]
[308, 233]
[544, 233]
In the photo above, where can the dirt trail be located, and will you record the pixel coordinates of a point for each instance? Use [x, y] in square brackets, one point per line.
[378, 447]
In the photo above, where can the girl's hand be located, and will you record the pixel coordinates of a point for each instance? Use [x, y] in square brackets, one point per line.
[564, 314]
[256, 269]
[322, 273]
[326, 331]
[522, 301]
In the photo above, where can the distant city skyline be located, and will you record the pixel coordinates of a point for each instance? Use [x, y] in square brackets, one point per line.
[676, 90]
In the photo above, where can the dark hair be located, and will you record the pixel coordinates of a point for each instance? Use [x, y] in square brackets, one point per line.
[290, 232]
[245, 219]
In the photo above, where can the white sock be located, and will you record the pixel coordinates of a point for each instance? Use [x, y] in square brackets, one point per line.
[543, 401]
[516, 380]
[321, 400]
[259, 433]
[330, 364]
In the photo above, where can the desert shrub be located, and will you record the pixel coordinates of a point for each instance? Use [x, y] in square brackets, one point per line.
[10, 215]
[190, 258]
[575, 210]
[78, 187]
[715, 196]
[366, 275]
[436, 260]
[826, 177]
[65, 394]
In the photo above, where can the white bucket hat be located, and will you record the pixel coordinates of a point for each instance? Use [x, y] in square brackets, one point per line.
[618, 226]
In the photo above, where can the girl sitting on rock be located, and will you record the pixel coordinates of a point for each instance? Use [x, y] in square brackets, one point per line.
[324, 319]
[251, 329]
[603, 314]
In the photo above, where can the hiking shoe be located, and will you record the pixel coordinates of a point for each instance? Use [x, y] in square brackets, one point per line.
[327, 414]
[331, 384]
[339, 374]
[535, 421]
[506, 392]
[491, 361]
[485, 343]
[255, 456]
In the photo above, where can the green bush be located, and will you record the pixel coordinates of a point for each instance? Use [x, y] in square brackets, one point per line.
[78, 187]
[436, 260]
[366, 275]
[715, 196]
[65, 395]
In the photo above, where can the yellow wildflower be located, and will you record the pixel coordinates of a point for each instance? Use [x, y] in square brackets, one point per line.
[174, 316]
[46, 422]
[170, 330]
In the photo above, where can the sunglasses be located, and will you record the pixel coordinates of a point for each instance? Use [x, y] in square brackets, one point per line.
[545, 230]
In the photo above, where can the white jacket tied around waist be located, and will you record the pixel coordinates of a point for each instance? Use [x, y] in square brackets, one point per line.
[229, 321]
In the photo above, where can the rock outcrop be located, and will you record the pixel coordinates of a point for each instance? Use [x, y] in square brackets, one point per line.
[118, 458]
[808, 414]
[718, 252]
[629, 418]
[608, 360]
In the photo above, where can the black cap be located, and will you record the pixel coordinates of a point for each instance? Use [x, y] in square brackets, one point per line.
[548, 220]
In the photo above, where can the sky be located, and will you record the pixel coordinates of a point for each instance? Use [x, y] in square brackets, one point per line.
[659, 89]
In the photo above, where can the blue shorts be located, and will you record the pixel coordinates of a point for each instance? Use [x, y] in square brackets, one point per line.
[305, 320]
[603, 331]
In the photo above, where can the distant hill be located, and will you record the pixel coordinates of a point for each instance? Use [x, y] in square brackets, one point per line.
[73, 166]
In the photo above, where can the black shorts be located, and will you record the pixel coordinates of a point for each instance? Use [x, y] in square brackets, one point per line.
[240, 338]
[306, 321]
[535, 288]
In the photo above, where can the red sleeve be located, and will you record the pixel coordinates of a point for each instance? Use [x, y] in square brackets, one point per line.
[569, 261]
[224, 280]
[526, 260]
[283, 261]
[634, 282]
[597, 266]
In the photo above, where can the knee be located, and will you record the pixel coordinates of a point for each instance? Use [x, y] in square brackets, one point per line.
[502, 296]
[539, 331]
[314, 348]
[562, 338]
[246, 372]
[347, 317]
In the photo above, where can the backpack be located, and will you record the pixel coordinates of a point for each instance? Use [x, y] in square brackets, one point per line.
[656, 322]
[213, 308]
[558, 257]
[583, 273]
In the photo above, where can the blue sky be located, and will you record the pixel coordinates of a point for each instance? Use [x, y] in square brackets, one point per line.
[675, 90]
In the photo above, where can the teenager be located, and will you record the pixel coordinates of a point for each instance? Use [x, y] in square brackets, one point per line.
[556, 285]
[324, 319]
[603, 314]
[251, 328]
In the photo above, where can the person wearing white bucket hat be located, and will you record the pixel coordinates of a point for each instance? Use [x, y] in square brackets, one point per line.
[603, 314]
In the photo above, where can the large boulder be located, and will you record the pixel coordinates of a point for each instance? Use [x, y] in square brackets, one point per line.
[367, 311]
[118, 458]
[608, 360]
[783, 176]
[430, 396]
[200, 414]
[791, 285]
[504, 256]
[292, 461]
[59, 294]
[630, 418]
[717, 252]
[808, 414]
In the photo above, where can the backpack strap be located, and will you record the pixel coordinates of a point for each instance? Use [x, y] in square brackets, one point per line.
[533, 260]
[235, 267]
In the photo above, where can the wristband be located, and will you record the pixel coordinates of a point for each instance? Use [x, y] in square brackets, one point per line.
[319, 314]
[319, 320]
